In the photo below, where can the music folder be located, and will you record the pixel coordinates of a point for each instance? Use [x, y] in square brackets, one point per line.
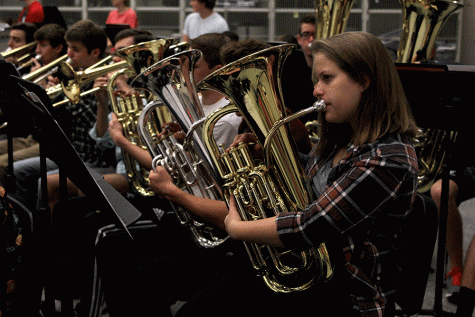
[31, 100]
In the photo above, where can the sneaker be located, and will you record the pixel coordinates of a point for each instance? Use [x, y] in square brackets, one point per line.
[454, 298]
[456, 274]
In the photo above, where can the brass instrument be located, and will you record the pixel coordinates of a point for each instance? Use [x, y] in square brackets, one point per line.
[429, 145]
[331, 17]
[29, 62]
[129, 108]
[46, 70]
[422, 22]
[71, 81]
[27, 51]
[265, 188]
[171, 80]
[134, 56]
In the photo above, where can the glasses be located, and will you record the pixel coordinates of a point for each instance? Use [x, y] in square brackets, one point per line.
[307, 35]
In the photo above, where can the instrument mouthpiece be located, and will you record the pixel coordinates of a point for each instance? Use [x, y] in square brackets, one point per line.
[319, 106]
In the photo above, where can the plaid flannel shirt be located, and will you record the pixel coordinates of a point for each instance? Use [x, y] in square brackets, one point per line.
[368, 195]
[83, 117]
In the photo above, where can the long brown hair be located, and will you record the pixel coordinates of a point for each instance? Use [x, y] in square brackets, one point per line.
[383, 109]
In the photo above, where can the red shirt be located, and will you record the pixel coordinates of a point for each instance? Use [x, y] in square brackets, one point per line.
[128, 17]
[33, 13]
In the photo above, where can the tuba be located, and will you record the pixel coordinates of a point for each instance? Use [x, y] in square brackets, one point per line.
[277, 184]
[128, 109]
[171, 80]
[422, 22]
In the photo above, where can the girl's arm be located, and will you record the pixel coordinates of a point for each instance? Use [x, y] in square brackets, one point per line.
[213, 211]
[262, 231]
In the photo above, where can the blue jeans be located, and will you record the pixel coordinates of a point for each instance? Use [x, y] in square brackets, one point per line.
[27, 174]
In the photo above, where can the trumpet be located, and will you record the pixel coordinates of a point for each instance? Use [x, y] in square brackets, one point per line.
[46, 70]
[136, 57]
[29, 62]
[72, 81]
[27, 50]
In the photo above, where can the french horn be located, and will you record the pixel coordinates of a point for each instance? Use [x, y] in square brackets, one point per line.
[264, 188]
[171, 80]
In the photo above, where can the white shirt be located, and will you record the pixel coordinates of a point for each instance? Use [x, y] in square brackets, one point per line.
[227, 127]
[196, 26]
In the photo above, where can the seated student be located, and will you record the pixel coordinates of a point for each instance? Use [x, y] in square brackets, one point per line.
[86, 44]
[50, 45]
[363, 174]
[21, 34]
[107, 130]
[180, 248]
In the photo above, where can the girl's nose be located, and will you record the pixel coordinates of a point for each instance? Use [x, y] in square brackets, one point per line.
[317, 91]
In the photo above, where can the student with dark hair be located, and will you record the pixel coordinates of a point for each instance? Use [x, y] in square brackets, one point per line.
[20, 34]
[306, 35]
[134, 36]
[107, 131]
[86, 44]
[50, 45]
[28, 30]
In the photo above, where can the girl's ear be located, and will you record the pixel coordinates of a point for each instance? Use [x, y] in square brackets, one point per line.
[366, 83]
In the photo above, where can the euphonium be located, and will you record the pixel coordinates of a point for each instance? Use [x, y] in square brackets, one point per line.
[171, 80]
[422, 22]
[129, 108]
[331, 17]
[278, 184]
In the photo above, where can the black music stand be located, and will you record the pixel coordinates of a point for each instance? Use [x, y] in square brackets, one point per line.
[32, 100]
[23, 101]
[439, 99]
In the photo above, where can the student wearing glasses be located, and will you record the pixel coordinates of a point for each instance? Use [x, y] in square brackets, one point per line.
[306, 36]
